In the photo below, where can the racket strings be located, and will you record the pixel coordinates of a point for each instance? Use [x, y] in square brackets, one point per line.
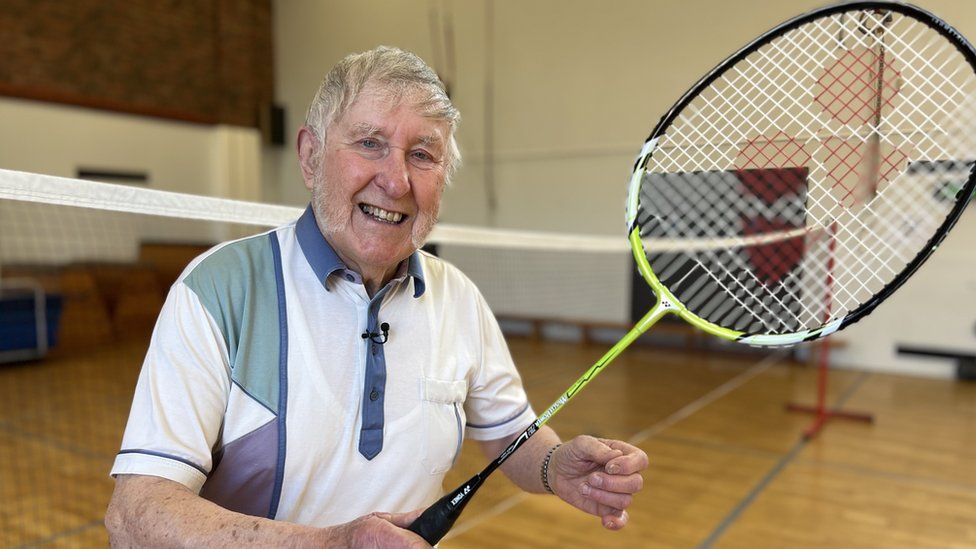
[732, 99]
[876, 108]
[738, 282]
[731, 274]
[742, 284]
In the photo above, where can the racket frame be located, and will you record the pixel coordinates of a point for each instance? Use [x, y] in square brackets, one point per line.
[639, 246]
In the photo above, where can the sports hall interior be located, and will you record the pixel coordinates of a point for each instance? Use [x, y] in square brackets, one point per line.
[556, 97]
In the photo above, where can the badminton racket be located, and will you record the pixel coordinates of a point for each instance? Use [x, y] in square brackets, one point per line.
[795, 187]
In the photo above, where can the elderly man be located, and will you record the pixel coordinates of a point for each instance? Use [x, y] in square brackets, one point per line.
[313, 384]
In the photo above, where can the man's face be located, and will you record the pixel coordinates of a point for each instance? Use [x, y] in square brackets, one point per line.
[380, 181]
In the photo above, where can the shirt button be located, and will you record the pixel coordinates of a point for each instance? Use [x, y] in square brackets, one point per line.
[374, 395]
[375, 349]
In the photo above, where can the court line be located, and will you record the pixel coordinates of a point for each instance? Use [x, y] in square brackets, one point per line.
[719, 446]
[959, 486]
[48, 440]
[696, 405]
[785, 460]
[61, 535]
[641, 436]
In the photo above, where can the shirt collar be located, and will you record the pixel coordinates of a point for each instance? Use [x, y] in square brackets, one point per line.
[324, 260]
[416, 271]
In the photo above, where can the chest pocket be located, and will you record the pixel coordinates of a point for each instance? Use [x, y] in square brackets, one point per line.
[443, 404]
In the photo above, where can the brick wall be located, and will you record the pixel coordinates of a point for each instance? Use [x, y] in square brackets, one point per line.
[206, 61]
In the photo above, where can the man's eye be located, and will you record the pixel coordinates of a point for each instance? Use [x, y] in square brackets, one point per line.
[423, 156]
[369, 143]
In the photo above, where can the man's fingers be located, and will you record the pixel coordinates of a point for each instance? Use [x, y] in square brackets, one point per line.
[615, 500]
[380, 529]
[627, 464]
[591, 449]
[615, 520]
[402, 520]
[624, 484]
[631, 459]
[612, 519]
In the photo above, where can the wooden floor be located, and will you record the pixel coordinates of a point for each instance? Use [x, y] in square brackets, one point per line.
[728, 465]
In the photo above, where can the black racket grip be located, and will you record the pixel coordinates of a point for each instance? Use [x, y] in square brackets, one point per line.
[436, 521]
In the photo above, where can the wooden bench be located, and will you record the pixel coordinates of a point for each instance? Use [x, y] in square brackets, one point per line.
[168, 260]
[103, 302]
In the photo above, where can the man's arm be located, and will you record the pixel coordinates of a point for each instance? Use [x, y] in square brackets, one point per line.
[597, 476]
[148, 511]
[524, 466]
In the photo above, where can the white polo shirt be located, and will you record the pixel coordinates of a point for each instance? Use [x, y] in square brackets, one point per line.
[260, 392]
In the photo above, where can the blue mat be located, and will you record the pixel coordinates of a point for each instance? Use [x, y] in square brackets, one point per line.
[18, 322]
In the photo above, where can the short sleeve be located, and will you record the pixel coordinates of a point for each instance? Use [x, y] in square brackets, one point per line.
[496, 406]
[180, 398]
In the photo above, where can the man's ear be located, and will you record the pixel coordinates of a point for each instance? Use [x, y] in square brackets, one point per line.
[309, 155]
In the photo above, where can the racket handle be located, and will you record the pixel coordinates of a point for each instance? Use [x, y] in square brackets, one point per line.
[436, 521]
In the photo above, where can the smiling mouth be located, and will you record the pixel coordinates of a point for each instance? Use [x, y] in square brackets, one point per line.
[379, 214]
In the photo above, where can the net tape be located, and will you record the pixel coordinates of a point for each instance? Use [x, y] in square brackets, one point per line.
[57, 221]
[47, 189]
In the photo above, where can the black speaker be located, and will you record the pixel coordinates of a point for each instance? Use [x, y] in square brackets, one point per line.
[966, 368]
[272, 120]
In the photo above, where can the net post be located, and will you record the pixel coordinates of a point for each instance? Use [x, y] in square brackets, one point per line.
[821, 413]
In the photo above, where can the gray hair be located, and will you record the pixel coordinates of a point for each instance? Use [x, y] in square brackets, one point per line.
[394, 70]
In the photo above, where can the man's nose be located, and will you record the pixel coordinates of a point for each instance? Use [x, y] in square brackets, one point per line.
[394, 175]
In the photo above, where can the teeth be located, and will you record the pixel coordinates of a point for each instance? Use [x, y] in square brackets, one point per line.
[380, 213]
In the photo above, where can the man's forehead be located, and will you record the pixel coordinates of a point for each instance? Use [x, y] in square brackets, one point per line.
[375, 104]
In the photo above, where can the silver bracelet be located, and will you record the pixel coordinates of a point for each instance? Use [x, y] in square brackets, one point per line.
[545, 469]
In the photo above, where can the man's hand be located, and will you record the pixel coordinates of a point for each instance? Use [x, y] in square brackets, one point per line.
[598, 476]
[379, 530]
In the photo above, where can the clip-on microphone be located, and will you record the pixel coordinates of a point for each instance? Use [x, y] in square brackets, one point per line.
[385, 328]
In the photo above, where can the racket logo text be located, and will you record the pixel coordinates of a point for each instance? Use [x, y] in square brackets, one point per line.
[457, 499]
[552, 409]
